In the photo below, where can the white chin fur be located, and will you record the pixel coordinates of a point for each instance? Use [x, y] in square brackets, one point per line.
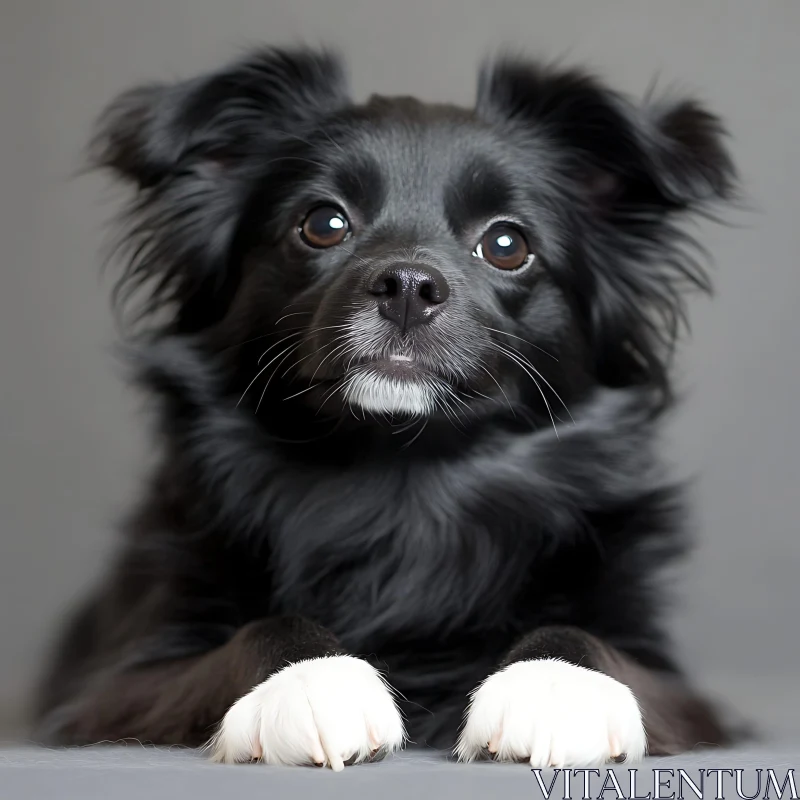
[383, 394]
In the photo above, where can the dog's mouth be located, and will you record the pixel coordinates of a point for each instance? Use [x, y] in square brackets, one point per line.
[394, 384]
[403, 367]
[383, 373]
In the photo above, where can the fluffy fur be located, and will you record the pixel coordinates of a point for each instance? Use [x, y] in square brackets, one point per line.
[482, 489]
[582, 717]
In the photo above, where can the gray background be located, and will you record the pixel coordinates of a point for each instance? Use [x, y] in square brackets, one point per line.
[71, 438]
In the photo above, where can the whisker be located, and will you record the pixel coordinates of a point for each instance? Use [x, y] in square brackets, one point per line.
[340, 384]
[514, 336]
[332, 140]
[302, 391]
[405, 426]
[484, 396]
[448, 411]
[335, 350]
[261, 372]
[531, 376]
[452, 393]
[317, 351]
[416, 435]
[293, 348]
[256, 338]
[298, 332]
[357, 257]
[510, 407]
[310, 332]
[546, 382]
[293, 314]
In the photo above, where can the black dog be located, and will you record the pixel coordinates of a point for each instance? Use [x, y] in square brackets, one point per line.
[410, 361]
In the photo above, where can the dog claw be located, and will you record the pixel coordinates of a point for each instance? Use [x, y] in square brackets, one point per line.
[494, 742]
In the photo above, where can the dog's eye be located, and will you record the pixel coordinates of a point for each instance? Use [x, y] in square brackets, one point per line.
[325, 226]
[504, 247]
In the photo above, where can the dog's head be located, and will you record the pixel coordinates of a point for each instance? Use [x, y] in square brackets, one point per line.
[413, 259]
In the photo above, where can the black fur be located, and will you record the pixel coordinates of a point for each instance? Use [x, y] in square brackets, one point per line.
[430, 546]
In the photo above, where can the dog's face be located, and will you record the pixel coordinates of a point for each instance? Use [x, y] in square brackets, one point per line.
[406, 259]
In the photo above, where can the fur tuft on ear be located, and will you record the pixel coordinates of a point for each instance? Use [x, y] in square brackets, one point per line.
[674, 149]
[134, 136]
[628, 175]
[181, 145]
[690, 161]
[148, 131]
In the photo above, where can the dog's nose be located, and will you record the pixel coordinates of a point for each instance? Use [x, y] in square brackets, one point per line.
[409, 294]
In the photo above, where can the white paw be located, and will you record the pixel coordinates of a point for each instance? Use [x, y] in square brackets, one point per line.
[551, 713]
[321, 711]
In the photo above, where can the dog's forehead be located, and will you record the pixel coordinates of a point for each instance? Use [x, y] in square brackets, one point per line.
[402, 154]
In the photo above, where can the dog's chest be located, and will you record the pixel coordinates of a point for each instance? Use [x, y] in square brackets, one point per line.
[386, 556]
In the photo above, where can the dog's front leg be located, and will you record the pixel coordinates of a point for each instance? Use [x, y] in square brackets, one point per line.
[564, 698]
[285, 691]
[326, 710]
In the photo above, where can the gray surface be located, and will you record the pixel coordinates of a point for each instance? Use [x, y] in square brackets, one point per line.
[71, 449]
[135, 772]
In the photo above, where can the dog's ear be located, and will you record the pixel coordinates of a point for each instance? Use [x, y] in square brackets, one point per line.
[196, 151]
[151, 131]
[669, 154]
[627, 174]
